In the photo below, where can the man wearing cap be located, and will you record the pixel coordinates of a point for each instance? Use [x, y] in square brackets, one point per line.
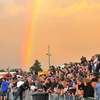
[96, 85]
[53, 85]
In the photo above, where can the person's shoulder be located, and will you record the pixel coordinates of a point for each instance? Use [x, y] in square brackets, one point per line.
[2, 83]
[81, 84]
[54, 83]
[98, 85]
[89, 86]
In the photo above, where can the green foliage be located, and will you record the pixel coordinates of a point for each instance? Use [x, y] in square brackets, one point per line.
[36, 66]
[77, 62]
[12, 70]
[28, 73]
[2, 70]
[97, 55]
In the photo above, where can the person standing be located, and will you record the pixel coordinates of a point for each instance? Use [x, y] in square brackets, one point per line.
[76, 69]
[95, 63]
[98, 66]
[4, 87]
[22, 88]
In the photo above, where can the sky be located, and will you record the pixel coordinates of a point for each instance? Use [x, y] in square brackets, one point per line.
[27, 27]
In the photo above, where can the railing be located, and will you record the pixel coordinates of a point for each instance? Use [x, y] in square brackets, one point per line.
[27, 95]
[55, 96]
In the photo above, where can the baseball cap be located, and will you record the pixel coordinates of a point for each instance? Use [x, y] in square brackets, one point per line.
[52, 77]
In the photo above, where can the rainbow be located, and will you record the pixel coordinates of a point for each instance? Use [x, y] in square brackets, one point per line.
[30, 30]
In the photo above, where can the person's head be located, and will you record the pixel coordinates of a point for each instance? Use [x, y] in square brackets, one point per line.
[87, 81]
[87, 67]
[84, 72]
[70, 62]
[37, 81]
[73, 75]
[50, 74]
[94, 82]
[61, 76]
[98, 60]
[63, 84]
[42, 79]
[75, 65]
[59, 81]
[18, 79]
[59, 67]
[29, 79]
[85, 63]
[88, 62]
[69, 76]
[92, 57]
[67, 81]
[30, 84]
[21, 79]
[95, 56]
[47, 80]
[65, 76]
[88, 71]
[74, 84]
[99, 78]
[81, 59]
[3, 79]
[67, 71]
[84, 58]
[91, 76]
[52, 79]
[52, 67]
[95, 75]
[79, 80]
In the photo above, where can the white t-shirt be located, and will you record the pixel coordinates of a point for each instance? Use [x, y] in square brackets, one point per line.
[33, 87]
[95, 60]
[66, 88]
[19, 83]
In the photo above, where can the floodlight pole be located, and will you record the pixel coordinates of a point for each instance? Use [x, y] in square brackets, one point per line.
[49, 55]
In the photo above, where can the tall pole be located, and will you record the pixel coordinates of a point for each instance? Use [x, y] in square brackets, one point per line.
[49, 55]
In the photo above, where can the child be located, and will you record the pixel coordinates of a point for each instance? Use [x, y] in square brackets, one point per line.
[32, 87]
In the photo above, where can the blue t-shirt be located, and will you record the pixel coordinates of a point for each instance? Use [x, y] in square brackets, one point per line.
[4, 86]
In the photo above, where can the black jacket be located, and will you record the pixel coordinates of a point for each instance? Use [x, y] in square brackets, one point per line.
[98, 67]
[90, 67]
[88, 91]
[24, 86]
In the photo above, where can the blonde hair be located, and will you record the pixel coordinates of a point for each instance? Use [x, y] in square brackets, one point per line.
[87, 80]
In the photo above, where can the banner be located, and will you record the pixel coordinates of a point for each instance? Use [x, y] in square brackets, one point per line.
[43, 73]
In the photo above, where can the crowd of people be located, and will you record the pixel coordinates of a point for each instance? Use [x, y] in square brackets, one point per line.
[81, 79]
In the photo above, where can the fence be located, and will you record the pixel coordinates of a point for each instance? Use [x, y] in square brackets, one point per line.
[27, 95]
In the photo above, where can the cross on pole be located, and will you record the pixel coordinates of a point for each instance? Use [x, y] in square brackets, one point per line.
[49, 55]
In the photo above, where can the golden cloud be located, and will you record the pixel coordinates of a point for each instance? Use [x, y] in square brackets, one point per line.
[13, 10]
[70, 10]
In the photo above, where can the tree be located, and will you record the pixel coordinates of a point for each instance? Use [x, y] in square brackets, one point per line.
[97, 55]
[36, 66]
[12, 70]
[2, 70]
